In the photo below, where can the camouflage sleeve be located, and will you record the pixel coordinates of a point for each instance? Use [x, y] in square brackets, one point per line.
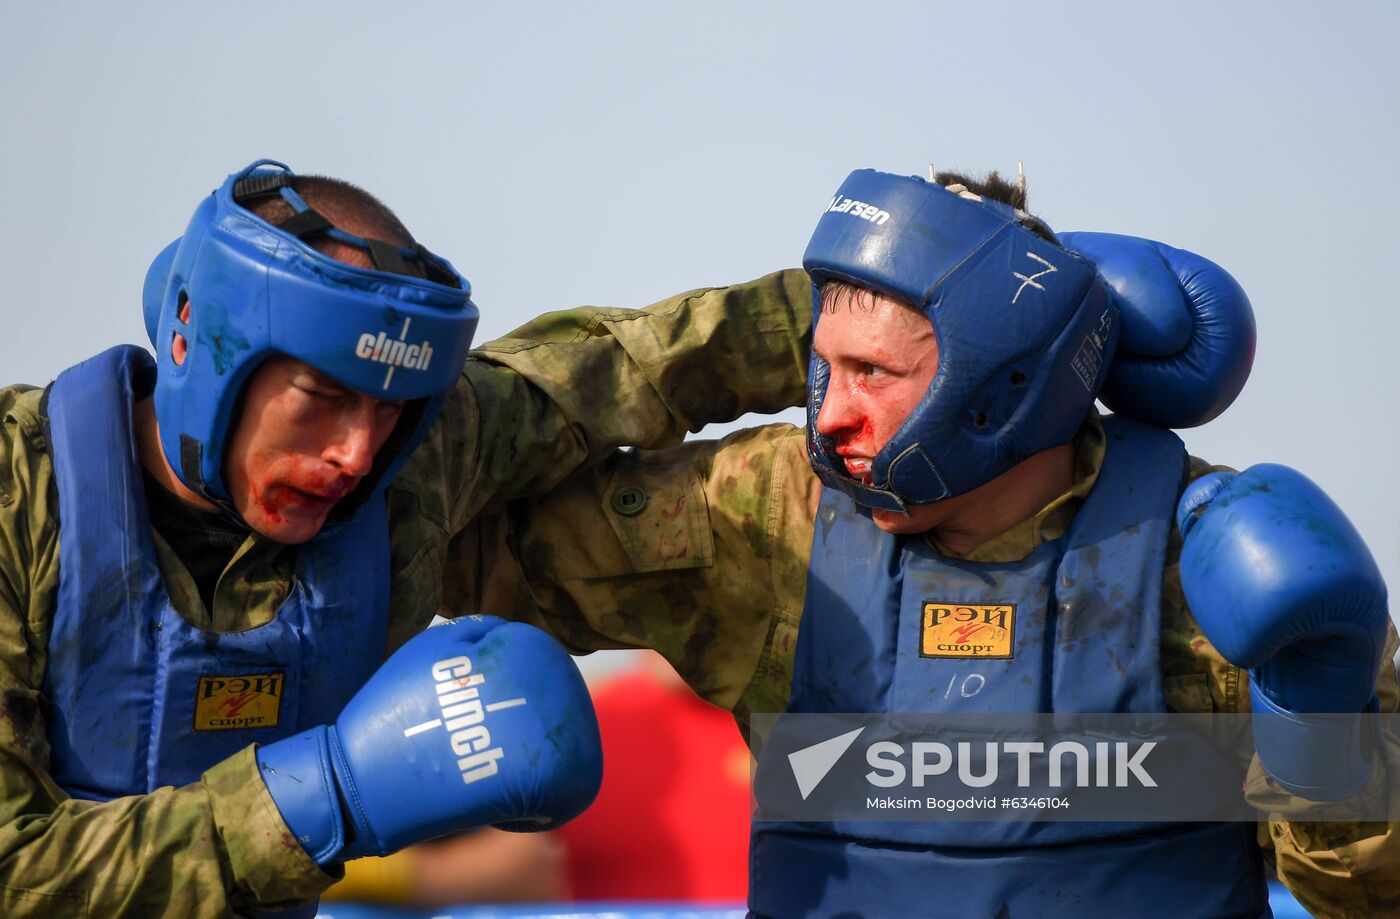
[207, 849]
[572, 386]
[698, 551]
[1334, 869]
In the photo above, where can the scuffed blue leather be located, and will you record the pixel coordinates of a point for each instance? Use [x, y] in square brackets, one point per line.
[1188, 330]
[1197, 496]
[1321, 757]
[1272, 561]
[1283, 584]
[473, 722]
[1025, 331]
[255, 291]
[298, 776]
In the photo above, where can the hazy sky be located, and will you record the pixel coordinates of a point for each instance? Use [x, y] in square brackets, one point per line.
[614, 153]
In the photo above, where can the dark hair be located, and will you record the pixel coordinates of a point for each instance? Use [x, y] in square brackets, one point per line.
[345, 205]
[993, 186]
[834, 294]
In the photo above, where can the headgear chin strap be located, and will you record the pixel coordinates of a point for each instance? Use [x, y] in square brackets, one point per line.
[1025, 331]
[400, 332]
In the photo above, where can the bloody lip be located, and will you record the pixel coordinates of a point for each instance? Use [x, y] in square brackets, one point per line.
[291, 498]
[857, 464]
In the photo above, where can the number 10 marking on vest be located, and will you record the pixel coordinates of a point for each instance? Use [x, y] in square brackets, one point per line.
[969, 688]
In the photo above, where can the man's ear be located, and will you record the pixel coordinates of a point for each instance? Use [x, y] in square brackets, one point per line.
[179, 347]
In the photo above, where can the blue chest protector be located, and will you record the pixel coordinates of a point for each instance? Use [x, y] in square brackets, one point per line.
[138, 697]
[1086, 622]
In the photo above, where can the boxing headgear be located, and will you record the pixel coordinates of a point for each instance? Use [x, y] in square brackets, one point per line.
[399, 332]
[1025, 332]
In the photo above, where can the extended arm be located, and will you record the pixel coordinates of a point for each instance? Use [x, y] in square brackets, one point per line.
[570, 387]
[699, 551]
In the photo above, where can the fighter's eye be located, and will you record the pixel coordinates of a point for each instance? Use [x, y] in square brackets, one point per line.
[388, 409]
[321, 392]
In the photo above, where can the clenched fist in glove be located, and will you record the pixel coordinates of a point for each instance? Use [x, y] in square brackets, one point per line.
[1282, 584]
[1187, 344]
[477, 721]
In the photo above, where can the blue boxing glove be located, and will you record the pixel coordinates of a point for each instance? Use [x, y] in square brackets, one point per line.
[1187, 343]
[477, 721]
[1281, 583]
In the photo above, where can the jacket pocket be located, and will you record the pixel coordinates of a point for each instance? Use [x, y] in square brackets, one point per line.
[660, 516]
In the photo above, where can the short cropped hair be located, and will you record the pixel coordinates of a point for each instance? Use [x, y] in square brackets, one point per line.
[345, 205]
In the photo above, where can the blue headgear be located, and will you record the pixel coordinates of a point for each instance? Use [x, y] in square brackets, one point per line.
[400, 332]
[1025, 334]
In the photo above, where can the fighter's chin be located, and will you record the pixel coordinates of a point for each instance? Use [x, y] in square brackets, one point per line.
[288, 530]
[288, 525]
[893, 522]
[295, 536]
[890, 521]
[921, 519]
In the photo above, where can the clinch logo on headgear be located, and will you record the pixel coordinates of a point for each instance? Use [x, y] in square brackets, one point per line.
[871, 212]
[464, 717]
[395, 352]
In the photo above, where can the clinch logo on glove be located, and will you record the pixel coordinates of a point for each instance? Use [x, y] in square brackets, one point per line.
[840, 205]
[395, 352]
[464, 717]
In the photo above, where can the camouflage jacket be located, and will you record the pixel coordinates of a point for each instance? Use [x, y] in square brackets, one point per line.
[565, 390]
[701, 552]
